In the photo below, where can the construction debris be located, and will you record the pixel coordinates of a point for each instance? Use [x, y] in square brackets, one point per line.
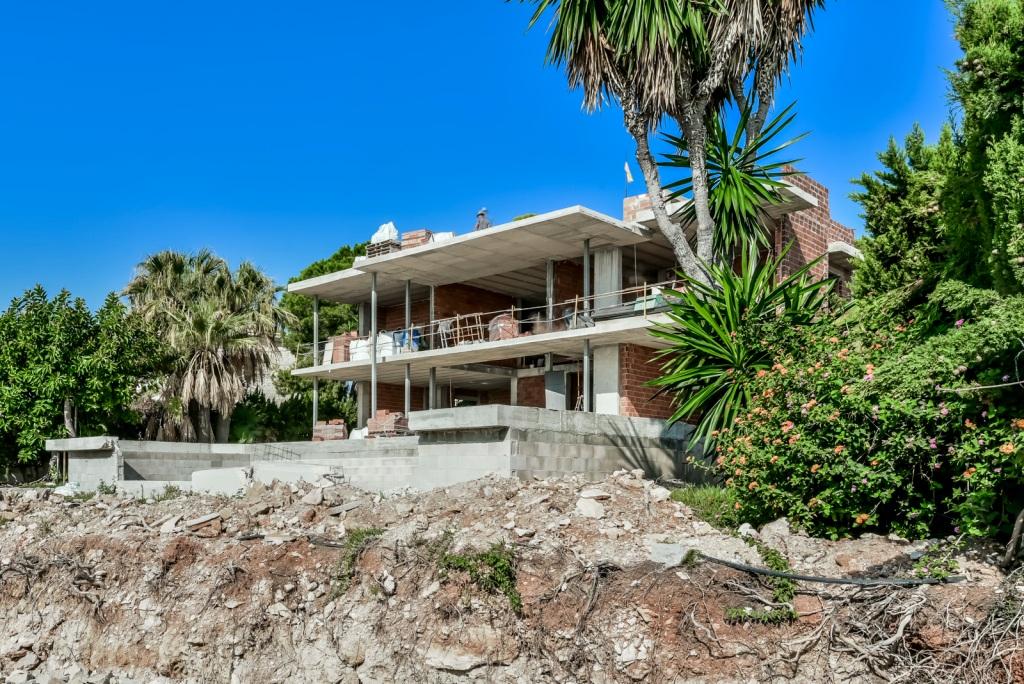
[557, 580]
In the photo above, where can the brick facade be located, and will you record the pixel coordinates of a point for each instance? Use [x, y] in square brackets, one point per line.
[637, 367]
[449, 300]
[568, 281]
[392, 397]
[810, 231]
[530, 391]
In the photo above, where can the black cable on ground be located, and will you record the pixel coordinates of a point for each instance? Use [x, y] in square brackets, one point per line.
[858, 581]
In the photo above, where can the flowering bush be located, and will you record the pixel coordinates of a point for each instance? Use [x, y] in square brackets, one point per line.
[913, 429]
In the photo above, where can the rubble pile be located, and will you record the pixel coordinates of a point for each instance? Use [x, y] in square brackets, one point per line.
[558, 580]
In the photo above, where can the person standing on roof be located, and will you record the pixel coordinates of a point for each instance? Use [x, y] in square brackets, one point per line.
[482, 222]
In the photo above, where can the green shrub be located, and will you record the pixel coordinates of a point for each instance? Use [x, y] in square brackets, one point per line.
[720, 335]
[493, 570]
[895, 430]
[712, 504]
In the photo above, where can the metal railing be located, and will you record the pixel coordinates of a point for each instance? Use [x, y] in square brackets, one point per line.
[472, 328]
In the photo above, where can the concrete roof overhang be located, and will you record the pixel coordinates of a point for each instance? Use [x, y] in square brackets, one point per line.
[504, 250]
[461, 363]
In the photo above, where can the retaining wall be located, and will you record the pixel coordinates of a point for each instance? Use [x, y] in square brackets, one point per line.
[451, 445]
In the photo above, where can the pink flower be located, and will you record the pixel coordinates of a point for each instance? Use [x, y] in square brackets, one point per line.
[960, 323]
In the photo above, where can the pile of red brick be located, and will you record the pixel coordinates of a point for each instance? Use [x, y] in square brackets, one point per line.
[387, 424]
[329, 430]
[415, 238]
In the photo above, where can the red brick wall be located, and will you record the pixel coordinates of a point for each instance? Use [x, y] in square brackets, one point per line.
[449, 300]
[530, 391]
[392, 397]
[637, 366]
[810, 231]
[568, 281]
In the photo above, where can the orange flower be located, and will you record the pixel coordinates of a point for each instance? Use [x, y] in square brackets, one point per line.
[969, 424]
[761, 373]
[816, 467]
[768, 393]
[752, 486]
[839, 449]
[787, 426]
[738, 472]
[793, 439]
[773, 459]
[862, 518]
[1007, 448]
[728, 483]
[834, 340]
[874, 462]
[1018, 423]
[720, 460]
[968, 474]
[736, 506]
[845, 389]
[813, 502]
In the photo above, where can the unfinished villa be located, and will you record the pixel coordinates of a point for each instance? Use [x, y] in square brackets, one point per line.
[520, 349]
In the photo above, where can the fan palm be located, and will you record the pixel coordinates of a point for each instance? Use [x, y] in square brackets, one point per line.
[681, 59]
[716, 334]
[220, 328]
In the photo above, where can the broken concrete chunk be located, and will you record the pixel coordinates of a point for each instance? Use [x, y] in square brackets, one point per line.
[344, 508]
[201, 521]
[658, 493]
[258, 508]
[589, 508]
[314, 497]
[594, 493]
[169, 525]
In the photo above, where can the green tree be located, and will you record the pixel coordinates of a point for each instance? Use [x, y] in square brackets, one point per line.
[902, 214]
[336, 398]
[66, 371]
[681, 60]
[334, 318]
[221, 327]
[988, 85]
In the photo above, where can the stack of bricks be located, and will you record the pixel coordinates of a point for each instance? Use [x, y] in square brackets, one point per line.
[340, 349]
[415, 238]
[330, 430]
[387, 424]
[376, 249]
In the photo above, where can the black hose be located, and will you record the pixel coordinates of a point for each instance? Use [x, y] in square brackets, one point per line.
[859, 581]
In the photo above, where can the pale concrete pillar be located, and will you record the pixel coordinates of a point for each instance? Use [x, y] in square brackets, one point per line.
[607, 276]
[606, 380]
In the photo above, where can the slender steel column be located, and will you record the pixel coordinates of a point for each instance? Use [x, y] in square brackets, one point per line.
[586, 343]
[373, 344]
[550, 292]
[408, 346]
[432, 336]
[316, 358]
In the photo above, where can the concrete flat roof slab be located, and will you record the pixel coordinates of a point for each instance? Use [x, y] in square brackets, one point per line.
[506, 248]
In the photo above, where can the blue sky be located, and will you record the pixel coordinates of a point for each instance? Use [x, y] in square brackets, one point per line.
[276, 132]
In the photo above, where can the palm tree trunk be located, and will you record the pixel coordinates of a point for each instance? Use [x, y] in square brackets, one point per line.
[639, 128]
[695, 132]
[223, 430]
[69, 417]
[204, 426]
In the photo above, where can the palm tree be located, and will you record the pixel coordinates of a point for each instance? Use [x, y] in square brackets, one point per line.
[220, 328]
[680, 59]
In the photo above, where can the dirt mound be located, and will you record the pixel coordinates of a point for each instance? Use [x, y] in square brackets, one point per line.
[558, 580]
